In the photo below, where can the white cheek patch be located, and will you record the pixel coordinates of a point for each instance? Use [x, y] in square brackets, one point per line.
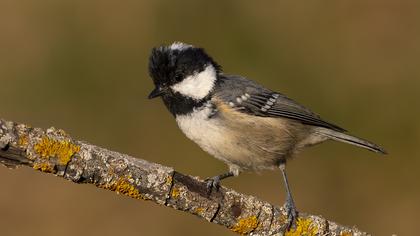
[197, 86]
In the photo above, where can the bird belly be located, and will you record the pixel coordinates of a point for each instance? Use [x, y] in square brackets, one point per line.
[243, 142]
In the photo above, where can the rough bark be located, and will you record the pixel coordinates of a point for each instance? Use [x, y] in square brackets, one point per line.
[53, 151]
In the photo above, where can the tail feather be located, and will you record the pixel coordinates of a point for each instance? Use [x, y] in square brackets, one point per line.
[345, 138]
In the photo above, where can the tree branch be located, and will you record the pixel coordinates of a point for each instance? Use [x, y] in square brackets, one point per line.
[53, 151]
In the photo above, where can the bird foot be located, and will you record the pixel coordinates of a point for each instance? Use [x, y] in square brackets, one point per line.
[291, 211]
[213, 183]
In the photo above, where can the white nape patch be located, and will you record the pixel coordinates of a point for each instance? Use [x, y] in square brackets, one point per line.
[179, 46]
[197, 86]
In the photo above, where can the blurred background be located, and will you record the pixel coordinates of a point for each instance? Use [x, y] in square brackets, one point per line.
[82, 66]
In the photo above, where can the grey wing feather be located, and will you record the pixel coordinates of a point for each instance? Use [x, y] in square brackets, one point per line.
[252, 98]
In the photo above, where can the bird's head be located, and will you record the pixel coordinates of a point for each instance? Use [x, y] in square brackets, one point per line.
[182, 70]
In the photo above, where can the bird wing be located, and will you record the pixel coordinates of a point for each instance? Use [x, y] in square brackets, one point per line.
[249, 97]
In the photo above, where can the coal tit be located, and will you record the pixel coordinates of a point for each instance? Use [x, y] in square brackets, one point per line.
[236, 120]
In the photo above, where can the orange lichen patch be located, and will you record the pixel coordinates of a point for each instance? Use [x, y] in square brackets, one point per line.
[23, 141]
[175, 193]
[169, 180]
[62, 149]
[44, 167]
[199, 210]
[304, 227]
[123, 186]
[345, 233]
[246, 225]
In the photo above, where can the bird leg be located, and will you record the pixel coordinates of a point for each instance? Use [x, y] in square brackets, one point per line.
[289, 205]
[214, 182]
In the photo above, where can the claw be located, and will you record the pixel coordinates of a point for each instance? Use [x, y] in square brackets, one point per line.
[292, 213]
[213, 182]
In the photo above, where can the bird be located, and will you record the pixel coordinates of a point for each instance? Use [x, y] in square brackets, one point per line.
[235, 119]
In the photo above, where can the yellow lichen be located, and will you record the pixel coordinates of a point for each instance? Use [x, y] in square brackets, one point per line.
[304, 227]
[199, 210]
[169, 180]
[23, 141]
[175, 193]
[345, 233]
[62, 149]
[123, 186]
[246, 225]
[44, 167]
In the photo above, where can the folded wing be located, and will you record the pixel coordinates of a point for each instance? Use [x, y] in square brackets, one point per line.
[249, 97]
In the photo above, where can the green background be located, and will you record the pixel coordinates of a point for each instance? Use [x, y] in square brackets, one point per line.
[82, 66]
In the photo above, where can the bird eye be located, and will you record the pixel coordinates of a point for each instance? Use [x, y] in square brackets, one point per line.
[178, 77]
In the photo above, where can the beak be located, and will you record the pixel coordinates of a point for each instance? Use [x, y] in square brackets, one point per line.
[157, 92]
